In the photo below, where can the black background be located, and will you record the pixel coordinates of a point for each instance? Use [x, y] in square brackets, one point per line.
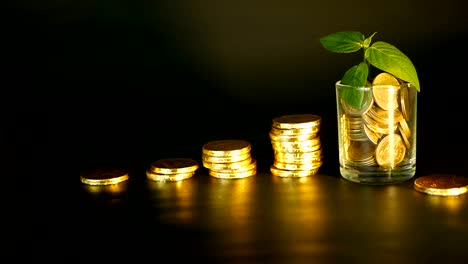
[129, 82]
[90, 83]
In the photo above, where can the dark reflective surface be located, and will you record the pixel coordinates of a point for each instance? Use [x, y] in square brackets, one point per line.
[265, 218]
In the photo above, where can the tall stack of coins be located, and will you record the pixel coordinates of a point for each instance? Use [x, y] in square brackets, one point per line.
[172, 169]
[296, 145]
[229, 159]
[378, 135]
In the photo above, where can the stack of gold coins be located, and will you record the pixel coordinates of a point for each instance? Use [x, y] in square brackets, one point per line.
[229, 159]
[296, 145]
[172, 169]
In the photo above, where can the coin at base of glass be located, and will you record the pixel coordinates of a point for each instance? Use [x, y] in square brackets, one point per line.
[378, 145]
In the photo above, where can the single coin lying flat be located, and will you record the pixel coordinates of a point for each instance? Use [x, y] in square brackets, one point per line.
[442, 184]
[104, 176]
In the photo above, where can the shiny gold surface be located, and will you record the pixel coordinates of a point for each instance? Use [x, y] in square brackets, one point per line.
[296, 154]
[174, 165]
[223, 148]
[104, 176]
[405, 102]
[294, 131]
[167, 176]
[228, 165]
[390, 151]
[225, 159]
[442, 184]
[292, 173]
[233, 174]
[386, 88]
[296, 121]
[297, 166]
[246, 167]
[292, 138]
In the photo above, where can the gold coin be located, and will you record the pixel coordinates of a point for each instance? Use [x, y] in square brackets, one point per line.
[385, 88]
[104, 176]
[291, 138]
[405, 138]
[297, 166]
[233, 175]
[444, 185]
[225, 159]
[227, 165]
[385, 78]
[298, 155]
[372, 135]
[228, 147]
[294, 131]
[361, 150]
[174, 165]
[313, 143]
[390, 151]
[292, 173]
[247, 167]
[296, 121]
[404, 102]
[168, 177]
[367, 102]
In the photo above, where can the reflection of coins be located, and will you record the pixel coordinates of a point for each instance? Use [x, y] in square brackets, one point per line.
[390, 151]
[104, 176]
[296, 121]
[444, 185]
[228, 147]
[174, 165]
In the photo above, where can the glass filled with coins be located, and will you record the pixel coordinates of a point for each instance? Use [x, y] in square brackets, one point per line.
[377, 130]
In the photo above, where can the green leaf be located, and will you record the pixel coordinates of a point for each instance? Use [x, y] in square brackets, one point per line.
[343, 42]
[388, 58]
[368, 40]
[355, 77]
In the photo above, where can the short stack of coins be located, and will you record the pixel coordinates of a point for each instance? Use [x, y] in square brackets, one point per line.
[229, 159]
[378, 134]
[172, 169]
[296, 145]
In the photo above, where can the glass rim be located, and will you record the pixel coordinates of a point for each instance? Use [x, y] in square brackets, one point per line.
[339, 85]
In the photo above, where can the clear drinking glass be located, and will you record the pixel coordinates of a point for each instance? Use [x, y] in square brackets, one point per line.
[377, 132]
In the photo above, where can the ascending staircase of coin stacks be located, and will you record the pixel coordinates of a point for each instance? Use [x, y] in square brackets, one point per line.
[172, 169]
[296, 145]
[229, 159]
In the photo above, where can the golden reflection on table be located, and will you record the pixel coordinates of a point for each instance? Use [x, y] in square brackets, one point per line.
[175, 199]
